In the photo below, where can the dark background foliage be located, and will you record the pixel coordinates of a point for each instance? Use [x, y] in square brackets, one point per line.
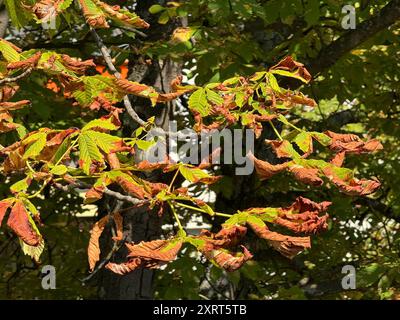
[356, 83]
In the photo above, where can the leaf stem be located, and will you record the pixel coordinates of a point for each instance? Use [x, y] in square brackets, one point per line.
[173, 180]
[66, 152]
[275, 130]
[29, 166]
[40, 190]
[293, 126]
[175, 215]
[183, 205]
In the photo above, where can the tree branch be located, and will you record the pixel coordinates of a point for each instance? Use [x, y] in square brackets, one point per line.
[107, 57]
[353, 38]
[107, 191]
[16, 78]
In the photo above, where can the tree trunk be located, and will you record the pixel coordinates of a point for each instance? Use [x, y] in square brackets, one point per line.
[143, 224]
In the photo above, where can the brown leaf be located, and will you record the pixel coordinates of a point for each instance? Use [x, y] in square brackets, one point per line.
[94, 245]
[58, 138]
[76, 65]
[4, 205]
[152, 254]
[288, 246]
[208, 160]
[281, 148]
[146, 165]
[264, 169]
[227, 260]
[288, 64]
[14, 161]
[119, 226]
[307, 222]
[46, 10]
[31, 62]
[303, 205]
[124, 268]
[132, 188]
[352, 186]
[20, 224]
[351, 143]
[7, 106]
[113, 160]
[144, 91]
[306, 175]
[303, 216]
[160, 250]
[226, 237]
[93, 194]
[338, 159]
[357, 187]
[114, 11]
[7, 92]
[94, 20]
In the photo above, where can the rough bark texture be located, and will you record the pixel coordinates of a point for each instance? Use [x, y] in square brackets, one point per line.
[143, 224]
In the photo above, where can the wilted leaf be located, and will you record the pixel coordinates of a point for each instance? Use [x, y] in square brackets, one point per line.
[22, 224]
[94, 246]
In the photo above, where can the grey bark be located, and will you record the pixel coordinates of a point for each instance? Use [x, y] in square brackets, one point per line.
[143, 224]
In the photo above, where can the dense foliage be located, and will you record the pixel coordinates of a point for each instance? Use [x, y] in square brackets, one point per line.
[74, 134]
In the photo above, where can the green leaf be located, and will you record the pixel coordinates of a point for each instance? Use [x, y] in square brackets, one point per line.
[32, 251]
[36, 147]
[21, 185]
[214, 97]
[273, 82]
[100, 123]
[16, 12]
[322, 138]
[303, 140]
[65, 4]
[59, 170]
[9, 53]
[156, 8]
[62, 149]
[164, 17]
[88, 152]
[198, 102]
[104, 141]
[289, 74]
[31, 208]
[193, 174]
[369, 275]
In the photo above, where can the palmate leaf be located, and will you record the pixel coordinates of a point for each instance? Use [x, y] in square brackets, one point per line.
[106, 142]
[151, 254]
[5, 204]
[100, 124]
[95, 86]
[304, 141]
[23, 225]
[44, 10]
[88, 152]
[198, 102]
[17, 13]
[196, 175]
[37, 146]
[94, 245]
[34, 252]
[10, 52]
[96, 13]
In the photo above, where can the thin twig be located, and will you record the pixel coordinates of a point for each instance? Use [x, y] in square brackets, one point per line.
[100, 266]
[117, 195]
[16, 78]
[110, 65]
